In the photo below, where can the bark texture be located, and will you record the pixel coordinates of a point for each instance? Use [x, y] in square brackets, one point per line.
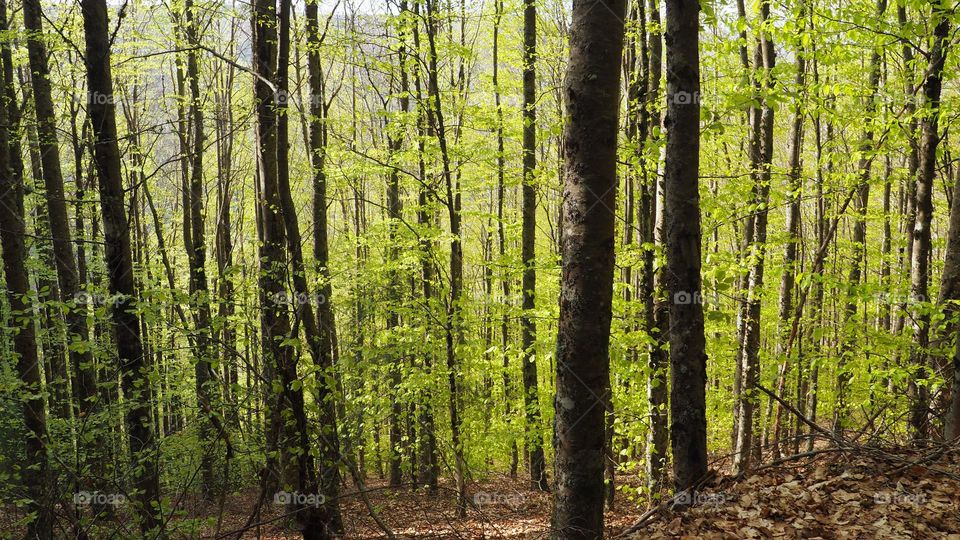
[592, 92]
[688, 359]
[134, 371]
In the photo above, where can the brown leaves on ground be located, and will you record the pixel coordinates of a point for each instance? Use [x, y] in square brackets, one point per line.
[845, 495]
[499, 508]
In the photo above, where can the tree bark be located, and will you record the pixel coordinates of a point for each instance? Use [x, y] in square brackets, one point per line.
[429, 472]
[920, 267]
[35, 470]
[790, 254]
[528, 328]
[864, 165]
[453, 324]
[656, 311]
[501, 237]
[197, 257]
[134, 371]
[592, 91]
[761, 156]
[68, 275]
[688, 359]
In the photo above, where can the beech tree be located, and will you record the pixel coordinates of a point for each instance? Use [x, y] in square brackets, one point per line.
[592, 89]
[35, 473]
[688, 361]
[134, 371]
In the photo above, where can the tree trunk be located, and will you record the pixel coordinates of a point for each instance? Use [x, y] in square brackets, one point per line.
[949, 294]
[592, 89]
[197, 257]
[68, 275]
[326, 325]
[394, 214]
[859, 244]
[688, 359]
[656, 311]
[35, 470]
[501, 238]
[920, 267]
[453, 324]
[761, 156]
[134, 372]
[528, 328]
[790, 256]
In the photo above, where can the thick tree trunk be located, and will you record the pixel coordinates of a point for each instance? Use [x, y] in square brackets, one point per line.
[592, 89]
[688, 358]
[134, 372]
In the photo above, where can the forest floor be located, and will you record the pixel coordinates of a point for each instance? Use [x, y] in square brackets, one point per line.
[857, 493]
[862, 492]
[503, 507]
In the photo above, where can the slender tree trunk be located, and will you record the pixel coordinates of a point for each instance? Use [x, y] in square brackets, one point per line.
[761, 156]
[592, 89]
[656, 311]
[501, 237]
[430, 464]
[913, 164]
[790, 254]
[950, 293]
[326, 325]
[859, 245]
[528, 328]
[394, 214]
[35, 470]
[197, 257]
[920, 268]
[453, 330]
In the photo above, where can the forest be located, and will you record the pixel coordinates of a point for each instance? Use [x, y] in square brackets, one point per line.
[479, 269]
